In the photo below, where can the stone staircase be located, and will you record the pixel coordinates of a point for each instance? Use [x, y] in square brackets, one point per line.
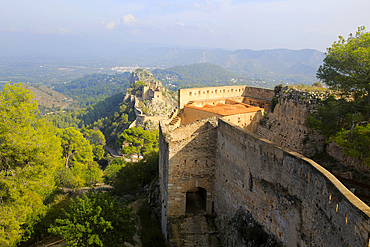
[175, 120]
[193, 230]
[176, 117]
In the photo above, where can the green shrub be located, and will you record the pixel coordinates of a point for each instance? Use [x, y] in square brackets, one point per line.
[95, 220]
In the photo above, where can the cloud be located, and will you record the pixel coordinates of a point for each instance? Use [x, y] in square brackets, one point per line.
[195, 30]
[179, 24]
[64, 30]
[110, 25]
[46, 30]
[15, 29]
[131, 22]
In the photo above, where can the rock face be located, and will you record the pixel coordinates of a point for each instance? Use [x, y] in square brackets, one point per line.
[336, 152]
[285, 123]
[153, 102]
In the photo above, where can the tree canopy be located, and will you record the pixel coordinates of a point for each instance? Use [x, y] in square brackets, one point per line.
[96, 220]
[139, 141]
[79, 168]
[347, 66]
[30, 152]
[344, 117]
[97, 141]
[133, 177]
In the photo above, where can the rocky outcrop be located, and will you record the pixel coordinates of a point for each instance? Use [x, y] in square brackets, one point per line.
[285, 123]
[152, 102]
[335, 151]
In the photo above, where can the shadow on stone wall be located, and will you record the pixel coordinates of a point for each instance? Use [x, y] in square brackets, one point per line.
[249, 232]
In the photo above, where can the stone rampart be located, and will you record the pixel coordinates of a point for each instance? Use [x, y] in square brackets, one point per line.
[163, 173]
[293, 197]
[191, 94]
[207, 93]
[258, 93]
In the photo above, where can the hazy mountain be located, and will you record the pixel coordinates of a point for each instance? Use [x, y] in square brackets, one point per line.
[200, 74]
[279, 64]
[274, 66]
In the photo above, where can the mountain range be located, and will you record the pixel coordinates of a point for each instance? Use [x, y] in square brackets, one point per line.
[201, 75]
[288, 66]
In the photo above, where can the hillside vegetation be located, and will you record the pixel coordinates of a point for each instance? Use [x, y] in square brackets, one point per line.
[93, 88]
[48, 99]
[38, 159]
[35, 159]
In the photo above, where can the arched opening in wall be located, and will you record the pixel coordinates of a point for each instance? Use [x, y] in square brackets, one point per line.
[196, 201]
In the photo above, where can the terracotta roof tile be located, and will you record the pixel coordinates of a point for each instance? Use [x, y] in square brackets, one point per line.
[230, 108]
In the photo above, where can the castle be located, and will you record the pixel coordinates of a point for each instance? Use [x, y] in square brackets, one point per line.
[152, 89]
[211, 161]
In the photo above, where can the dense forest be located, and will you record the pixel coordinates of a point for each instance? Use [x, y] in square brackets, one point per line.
[35, 158]
[93, 88]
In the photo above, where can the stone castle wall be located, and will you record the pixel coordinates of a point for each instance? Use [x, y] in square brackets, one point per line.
[258, 93]
[163, 173]
[248, 120]
[191, 115]
[208, 93]
[293, 197]
[187, 161]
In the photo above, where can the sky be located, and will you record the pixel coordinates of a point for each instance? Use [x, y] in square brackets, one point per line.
[228, 24]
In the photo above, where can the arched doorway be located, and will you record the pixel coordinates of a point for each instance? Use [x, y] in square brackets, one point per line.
[196, 201]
